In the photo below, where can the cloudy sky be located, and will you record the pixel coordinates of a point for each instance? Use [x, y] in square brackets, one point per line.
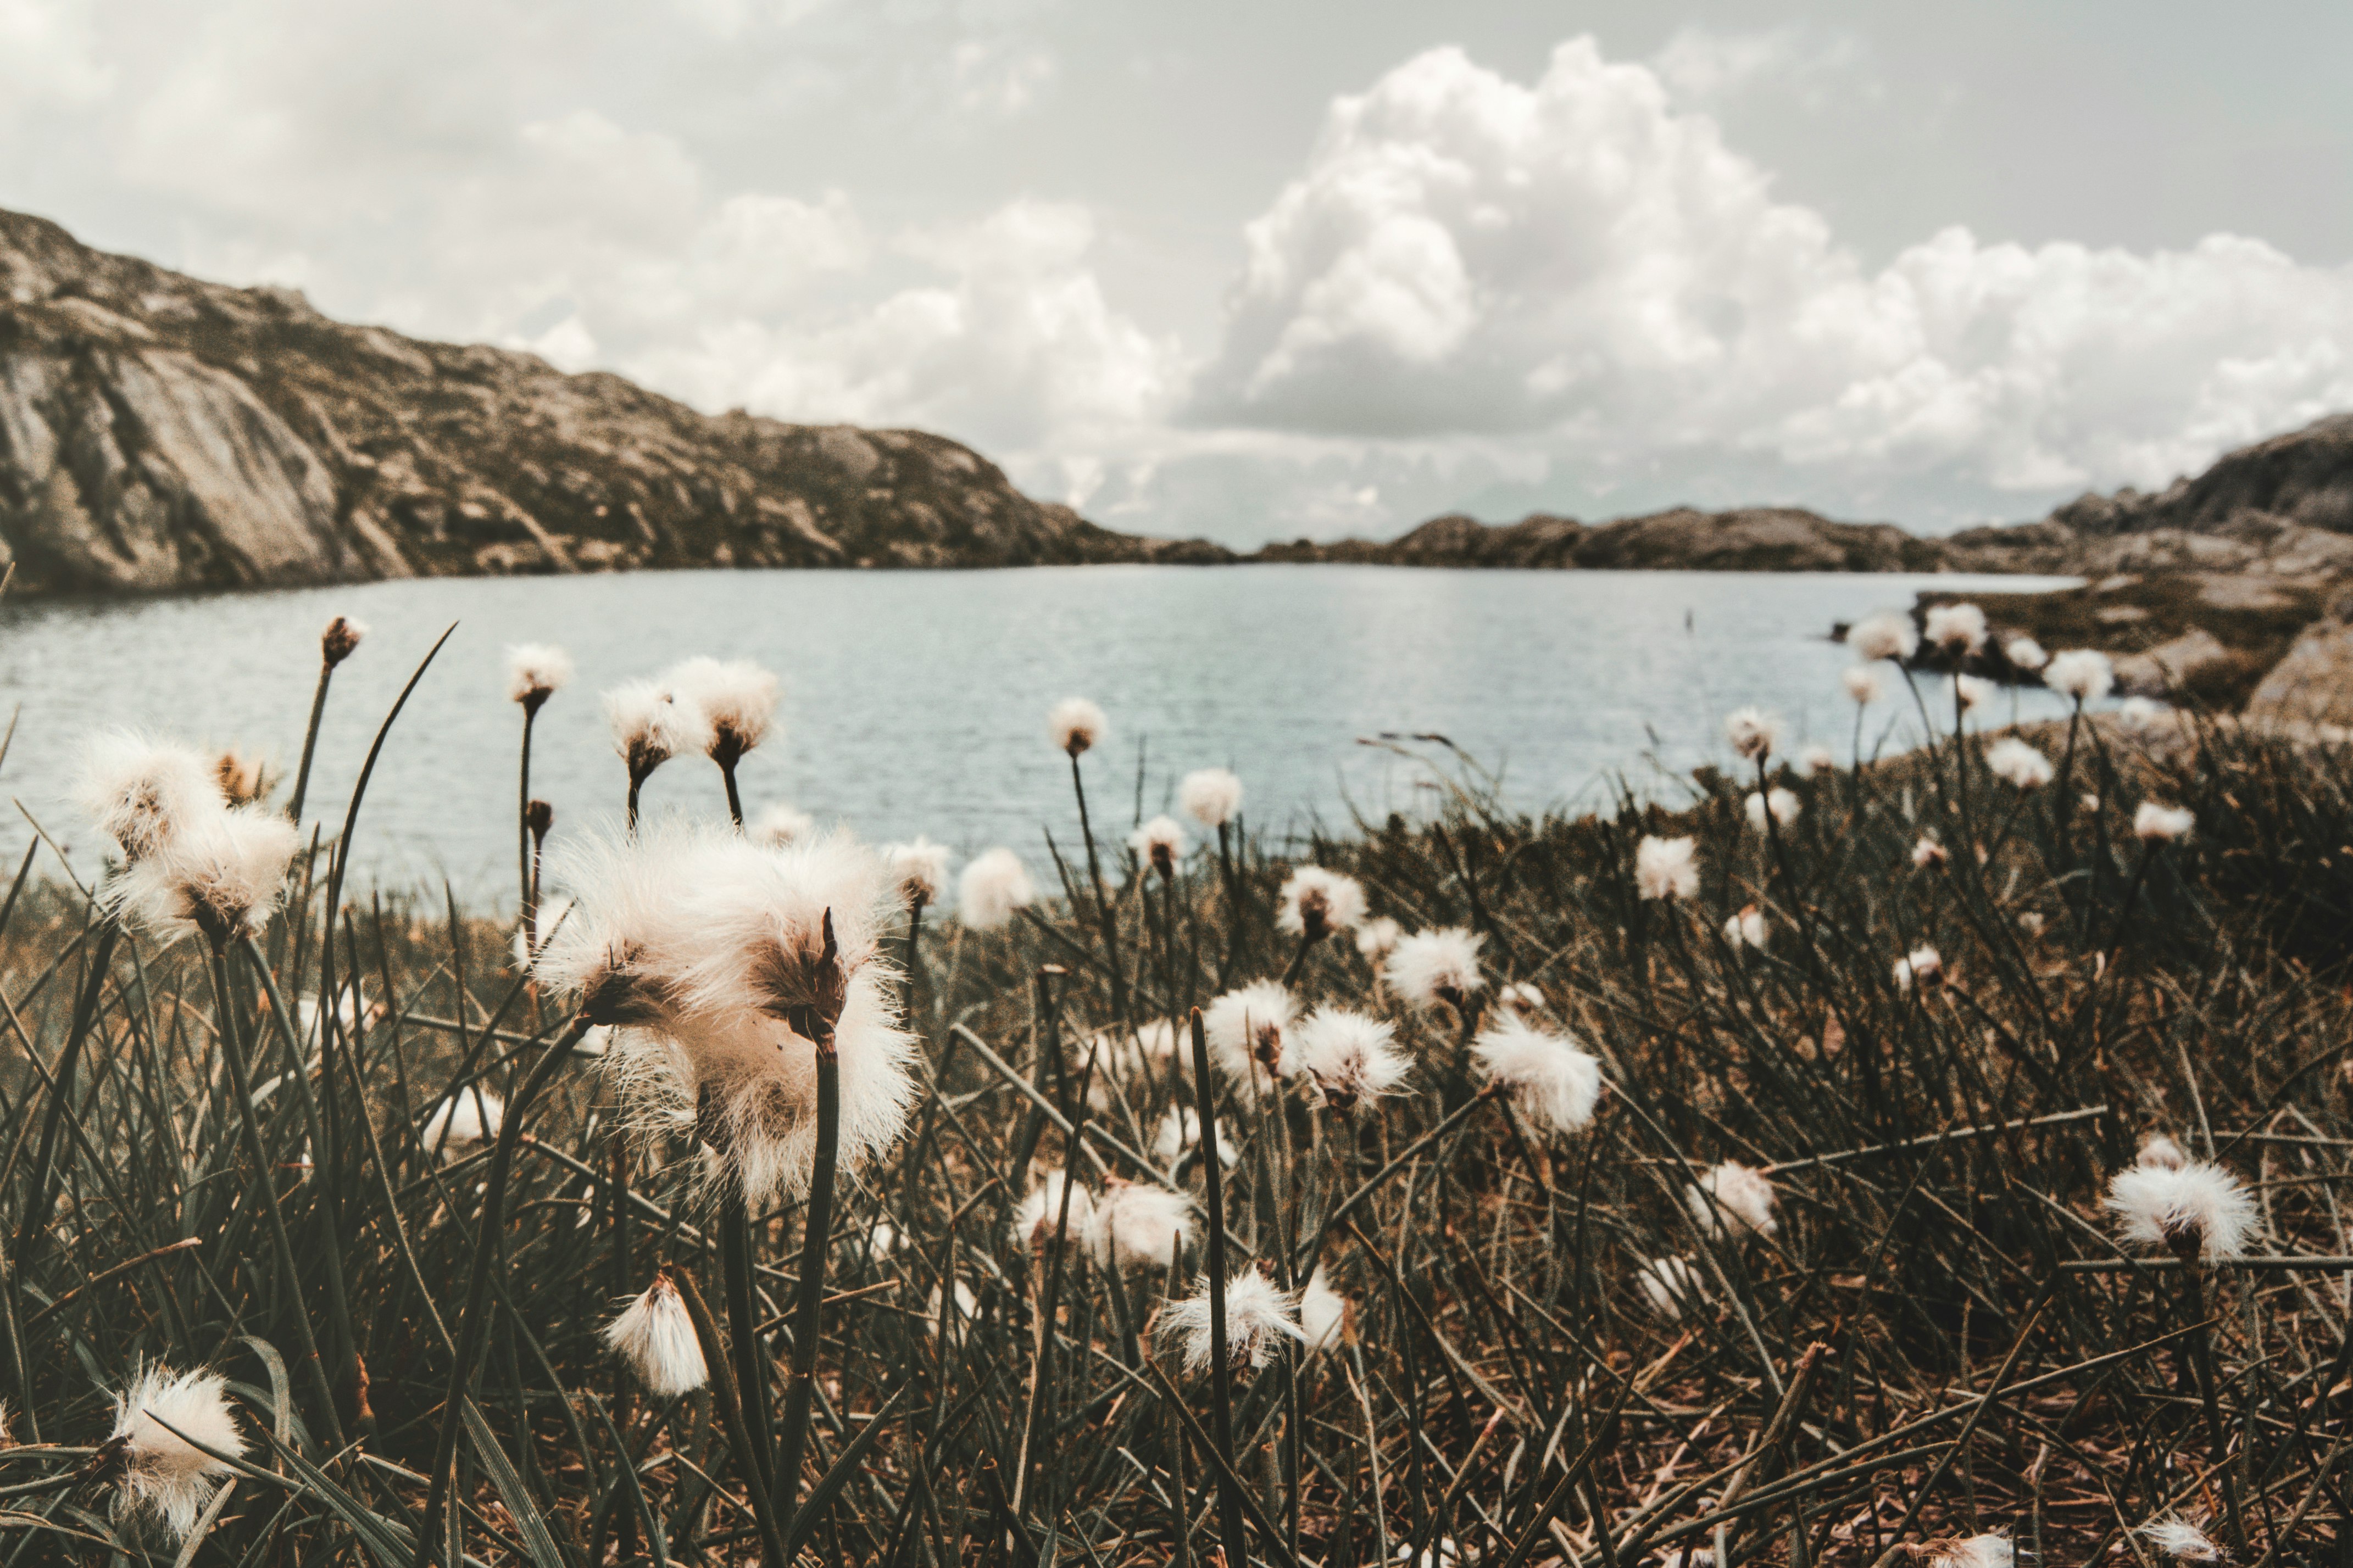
[1262, 271]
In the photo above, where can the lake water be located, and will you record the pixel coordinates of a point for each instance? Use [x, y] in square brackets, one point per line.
[916, 702]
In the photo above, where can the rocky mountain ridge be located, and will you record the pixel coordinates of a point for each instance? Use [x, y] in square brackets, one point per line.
[158, 432]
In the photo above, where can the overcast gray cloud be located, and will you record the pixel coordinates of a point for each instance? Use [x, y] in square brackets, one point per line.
[1261, 275]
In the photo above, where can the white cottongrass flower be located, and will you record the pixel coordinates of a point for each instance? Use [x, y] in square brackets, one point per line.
[1783, 806]
[882, 1241]
[141, 792]
[1733, 1193]
[341, 638]
[967, 1305]
[2014, 760]
[648, 729]
[2140, 714]
[2082, 673]
[1923, 965]
[2025, 653]
[655, 1335]
[2197, 1210]
[779, 825]
[2179, 1540]
[1928, 854]
[1817, 758]
[1260, 1315]
[1210, 797]
[159, 1421]
[1667, 867]
[994, 885]
[1035, 1221]
[1348, 1056]
[1139, 1226]
[1886, 635]
[1960, 627]
[1862, 684]
[2160, 1152]
[535, 672]
[1317, 903]
[731, 964]
[1378, 938]
[1748, 927]
[1159, 844]
[1245, 1030]
[1434, 966]
[464, 1123]
[1753, 732]
[1128, 1059]
[1552, 1082]
[922, 867]
[1520, 999]
[1672, 1286]
[733, 704]
[1180, 1134]
[1076, 725]
[1323, 1314]
[220, 873]
[1974, 691]
[1977, 1551]
[2162, 823]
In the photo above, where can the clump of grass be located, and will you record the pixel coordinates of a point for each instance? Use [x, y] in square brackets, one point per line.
[1690, 1226]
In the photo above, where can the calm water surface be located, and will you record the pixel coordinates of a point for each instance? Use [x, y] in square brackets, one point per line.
[916, 702]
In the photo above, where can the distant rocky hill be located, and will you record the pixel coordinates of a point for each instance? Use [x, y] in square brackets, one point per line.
[158, 432]
[1754, 539]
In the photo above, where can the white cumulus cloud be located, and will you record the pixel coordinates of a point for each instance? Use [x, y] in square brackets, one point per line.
[1582, 264]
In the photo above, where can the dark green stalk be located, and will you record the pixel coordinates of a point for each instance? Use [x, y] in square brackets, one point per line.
[808, 1313]
[1221, 1412]
[38, 1209]
[310, 743]
[522, 815]
[473, 1328]
[752, 1379]
[1103, 915]
[731, 1415]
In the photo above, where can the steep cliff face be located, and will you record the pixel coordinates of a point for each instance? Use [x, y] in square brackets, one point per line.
[158, 432]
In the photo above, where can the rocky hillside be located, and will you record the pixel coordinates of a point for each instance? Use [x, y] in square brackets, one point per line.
[157, 432]
[1754, 539]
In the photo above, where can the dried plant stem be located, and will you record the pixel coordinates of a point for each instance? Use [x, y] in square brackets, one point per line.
[808, 1311]
[310, 742]
[730, 1411]
[523, 829]
[1106, 919]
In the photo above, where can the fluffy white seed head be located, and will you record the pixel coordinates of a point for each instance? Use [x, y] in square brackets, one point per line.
[2025, 653]
[240, 775]
[1159, 844]
[1977, 1552]
[922, 867]
[1782, 806]
[1210, 797]
[1732, 1197]
[1957, 628]
[1136, 1226]
[1862, 684]
[1260, 1315]
[2014, 761]
[2157, 824]
[1929, 855]
[1667, 867]
[655, 1335]
[994, 885]
[730, 704]
[1180, 1134]
[2082, 673]
[1922, 964]
[162, 1419]
[1378, 938]
[1521, 999]
[1323, 1314]
[1748, 927]
[1553, 1083]
[535, 672]
[2179, 1541]
[648, 729]
[1128, 1063]
[1753, 732]
[1817, 758]
[1348, 1056]
[1886, 635]
[1076, 725]
[1247, 1030]
[778, 825]
[2160, 1152]
[2197, 1210]
[220, 873]
[967, 1305]
[1976, 691]
[140, 792]
[2140, 714]
[1434, 966]
[1039, 1213]
[1317, 903]
[463, 1123]
[1672, 1286]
